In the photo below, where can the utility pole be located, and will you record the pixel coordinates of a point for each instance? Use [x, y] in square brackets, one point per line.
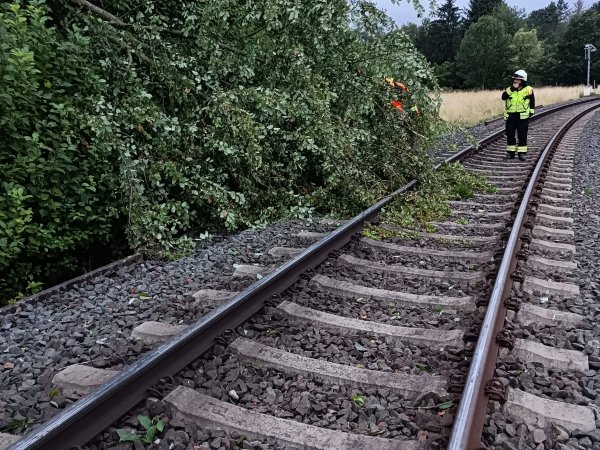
[589, 49]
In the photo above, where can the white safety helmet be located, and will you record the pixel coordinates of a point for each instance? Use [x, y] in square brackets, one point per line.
[520, 75]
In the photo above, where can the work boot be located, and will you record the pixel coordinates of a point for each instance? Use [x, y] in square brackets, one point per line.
[510, 155]
[522, 157]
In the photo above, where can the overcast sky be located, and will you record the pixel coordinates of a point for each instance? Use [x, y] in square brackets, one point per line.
[405, 13]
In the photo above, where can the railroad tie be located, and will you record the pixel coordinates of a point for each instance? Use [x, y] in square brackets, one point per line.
[409, 386]
[285, 252]
[550, 357]
[80, 379]
[462, 256]
[365, 265]
[423, 336]
[6, 440]
[213, 296]
[250, 271]
[188, 406]
[153, 332]
[539, 412]
[351, 290]
[536, 315]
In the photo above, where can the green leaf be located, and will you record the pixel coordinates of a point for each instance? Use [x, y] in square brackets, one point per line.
[422, 367]
[446, 405]
[358, 399]
[160, 425]
[145, 421]
[55, 392]
[149, 438]
[239, 441]
[128, 435]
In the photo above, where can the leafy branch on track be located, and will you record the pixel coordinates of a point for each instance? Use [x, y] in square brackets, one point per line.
[428, 203]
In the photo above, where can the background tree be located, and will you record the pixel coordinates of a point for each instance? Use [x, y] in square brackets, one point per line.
[564, 10]
[571, 67]
[550, 22]
[446, 30]
[555, 58]
[526, 52]
[513, 19]
[578, 6]
[483, 54]
[440, 38]
[412, 30]
[480, 8]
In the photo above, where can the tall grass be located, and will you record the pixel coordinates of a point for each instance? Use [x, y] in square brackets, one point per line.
[471, 107]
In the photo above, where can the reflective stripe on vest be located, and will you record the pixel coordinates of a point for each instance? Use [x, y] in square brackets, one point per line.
[518, 102]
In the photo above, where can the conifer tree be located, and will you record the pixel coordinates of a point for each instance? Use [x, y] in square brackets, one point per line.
[578, 6]
[440, 41]
[478, 8]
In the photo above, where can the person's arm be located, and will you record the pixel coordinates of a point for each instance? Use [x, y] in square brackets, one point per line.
[507, 93]
[531, 103]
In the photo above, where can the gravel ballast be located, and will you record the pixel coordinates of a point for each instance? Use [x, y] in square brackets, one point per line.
[91, 322]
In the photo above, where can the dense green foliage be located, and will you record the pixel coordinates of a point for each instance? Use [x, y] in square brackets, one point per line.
[57, 175]
[548, 43]
[441, 36]
[483, 50]
[582, 29]
[164, 120]
[550, 21]
[479, 8]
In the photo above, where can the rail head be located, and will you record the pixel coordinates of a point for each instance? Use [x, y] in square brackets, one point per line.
[469, 420]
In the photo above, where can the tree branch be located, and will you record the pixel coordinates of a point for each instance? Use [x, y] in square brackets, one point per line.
[101, 12]
[116, 21]
[113, 20]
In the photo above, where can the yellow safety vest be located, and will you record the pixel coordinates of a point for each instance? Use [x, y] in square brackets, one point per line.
[518, 102]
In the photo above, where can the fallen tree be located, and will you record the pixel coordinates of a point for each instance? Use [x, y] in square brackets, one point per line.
[164, 119]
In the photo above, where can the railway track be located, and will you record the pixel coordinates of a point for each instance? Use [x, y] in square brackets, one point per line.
[356, 343]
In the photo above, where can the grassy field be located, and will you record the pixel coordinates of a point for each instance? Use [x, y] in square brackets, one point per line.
[471, 107]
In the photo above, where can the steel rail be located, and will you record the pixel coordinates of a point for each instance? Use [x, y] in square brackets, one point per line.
[88, 416]
[470, 417]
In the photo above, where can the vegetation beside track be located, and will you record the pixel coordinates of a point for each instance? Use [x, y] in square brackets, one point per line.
[428, 203]
[157, 121]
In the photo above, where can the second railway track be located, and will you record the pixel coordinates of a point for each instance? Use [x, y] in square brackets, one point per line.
[354, 342]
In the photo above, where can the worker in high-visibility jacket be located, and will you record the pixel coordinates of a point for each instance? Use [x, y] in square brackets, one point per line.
[519, 106]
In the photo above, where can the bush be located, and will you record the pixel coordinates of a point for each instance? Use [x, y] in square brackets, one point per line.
[57, 177]
[174, 118]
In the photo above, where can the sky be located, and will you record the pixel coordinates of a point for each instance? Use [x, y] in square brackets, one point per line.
[403, 12]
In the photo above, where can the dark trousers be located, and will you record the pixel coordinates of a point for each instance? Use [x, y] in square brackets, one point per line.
[514, 124]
